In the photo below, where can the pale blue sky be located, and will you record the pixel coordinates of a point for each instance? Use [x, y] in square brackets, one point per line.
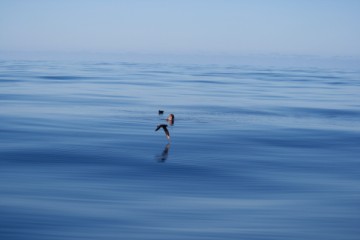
[308, 27]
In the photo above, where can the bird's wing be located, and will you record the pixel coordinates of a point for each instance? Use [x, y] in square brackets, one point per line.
[166, 132]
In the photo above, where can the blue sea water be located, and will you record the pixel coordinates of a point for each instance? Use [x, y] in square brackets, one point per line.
[255, 153]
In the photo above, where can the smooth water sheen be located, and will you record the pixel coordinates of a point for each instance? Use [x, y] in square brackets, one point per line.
[255, 152]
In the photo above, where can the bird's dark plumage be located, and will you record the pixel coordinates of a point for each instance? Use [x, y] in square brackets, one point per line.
[164, 126]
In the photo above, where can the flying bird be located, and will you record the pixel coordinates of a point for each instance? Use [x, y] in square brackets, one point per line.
[164, 126]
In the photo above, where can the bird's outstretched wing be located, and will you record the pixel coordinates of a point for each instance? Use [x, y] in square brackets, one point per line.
[164, 126]
[158, 127]
[166, 132]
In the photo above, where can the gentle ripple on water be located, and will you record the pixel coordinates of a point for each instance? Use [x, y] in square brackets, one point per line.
[256, 153]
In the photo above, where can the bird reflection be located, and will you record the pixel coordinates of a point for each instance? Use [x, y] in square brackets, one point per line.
[164, 154]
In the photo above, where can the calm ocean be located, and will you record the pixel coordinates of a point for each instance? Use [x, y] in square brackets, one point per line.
[255, 152]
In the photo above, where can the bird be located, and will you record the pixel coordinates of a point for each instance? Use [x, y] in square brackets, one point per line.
[164, 126]
[171, 119]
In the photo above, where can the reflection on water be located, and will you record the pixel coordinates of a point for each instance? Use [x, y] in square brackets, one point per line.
[164, 154]
[256, 153]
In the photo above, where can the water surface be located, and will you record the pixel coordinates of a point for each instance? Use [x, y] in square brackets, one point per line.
[255, 152]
